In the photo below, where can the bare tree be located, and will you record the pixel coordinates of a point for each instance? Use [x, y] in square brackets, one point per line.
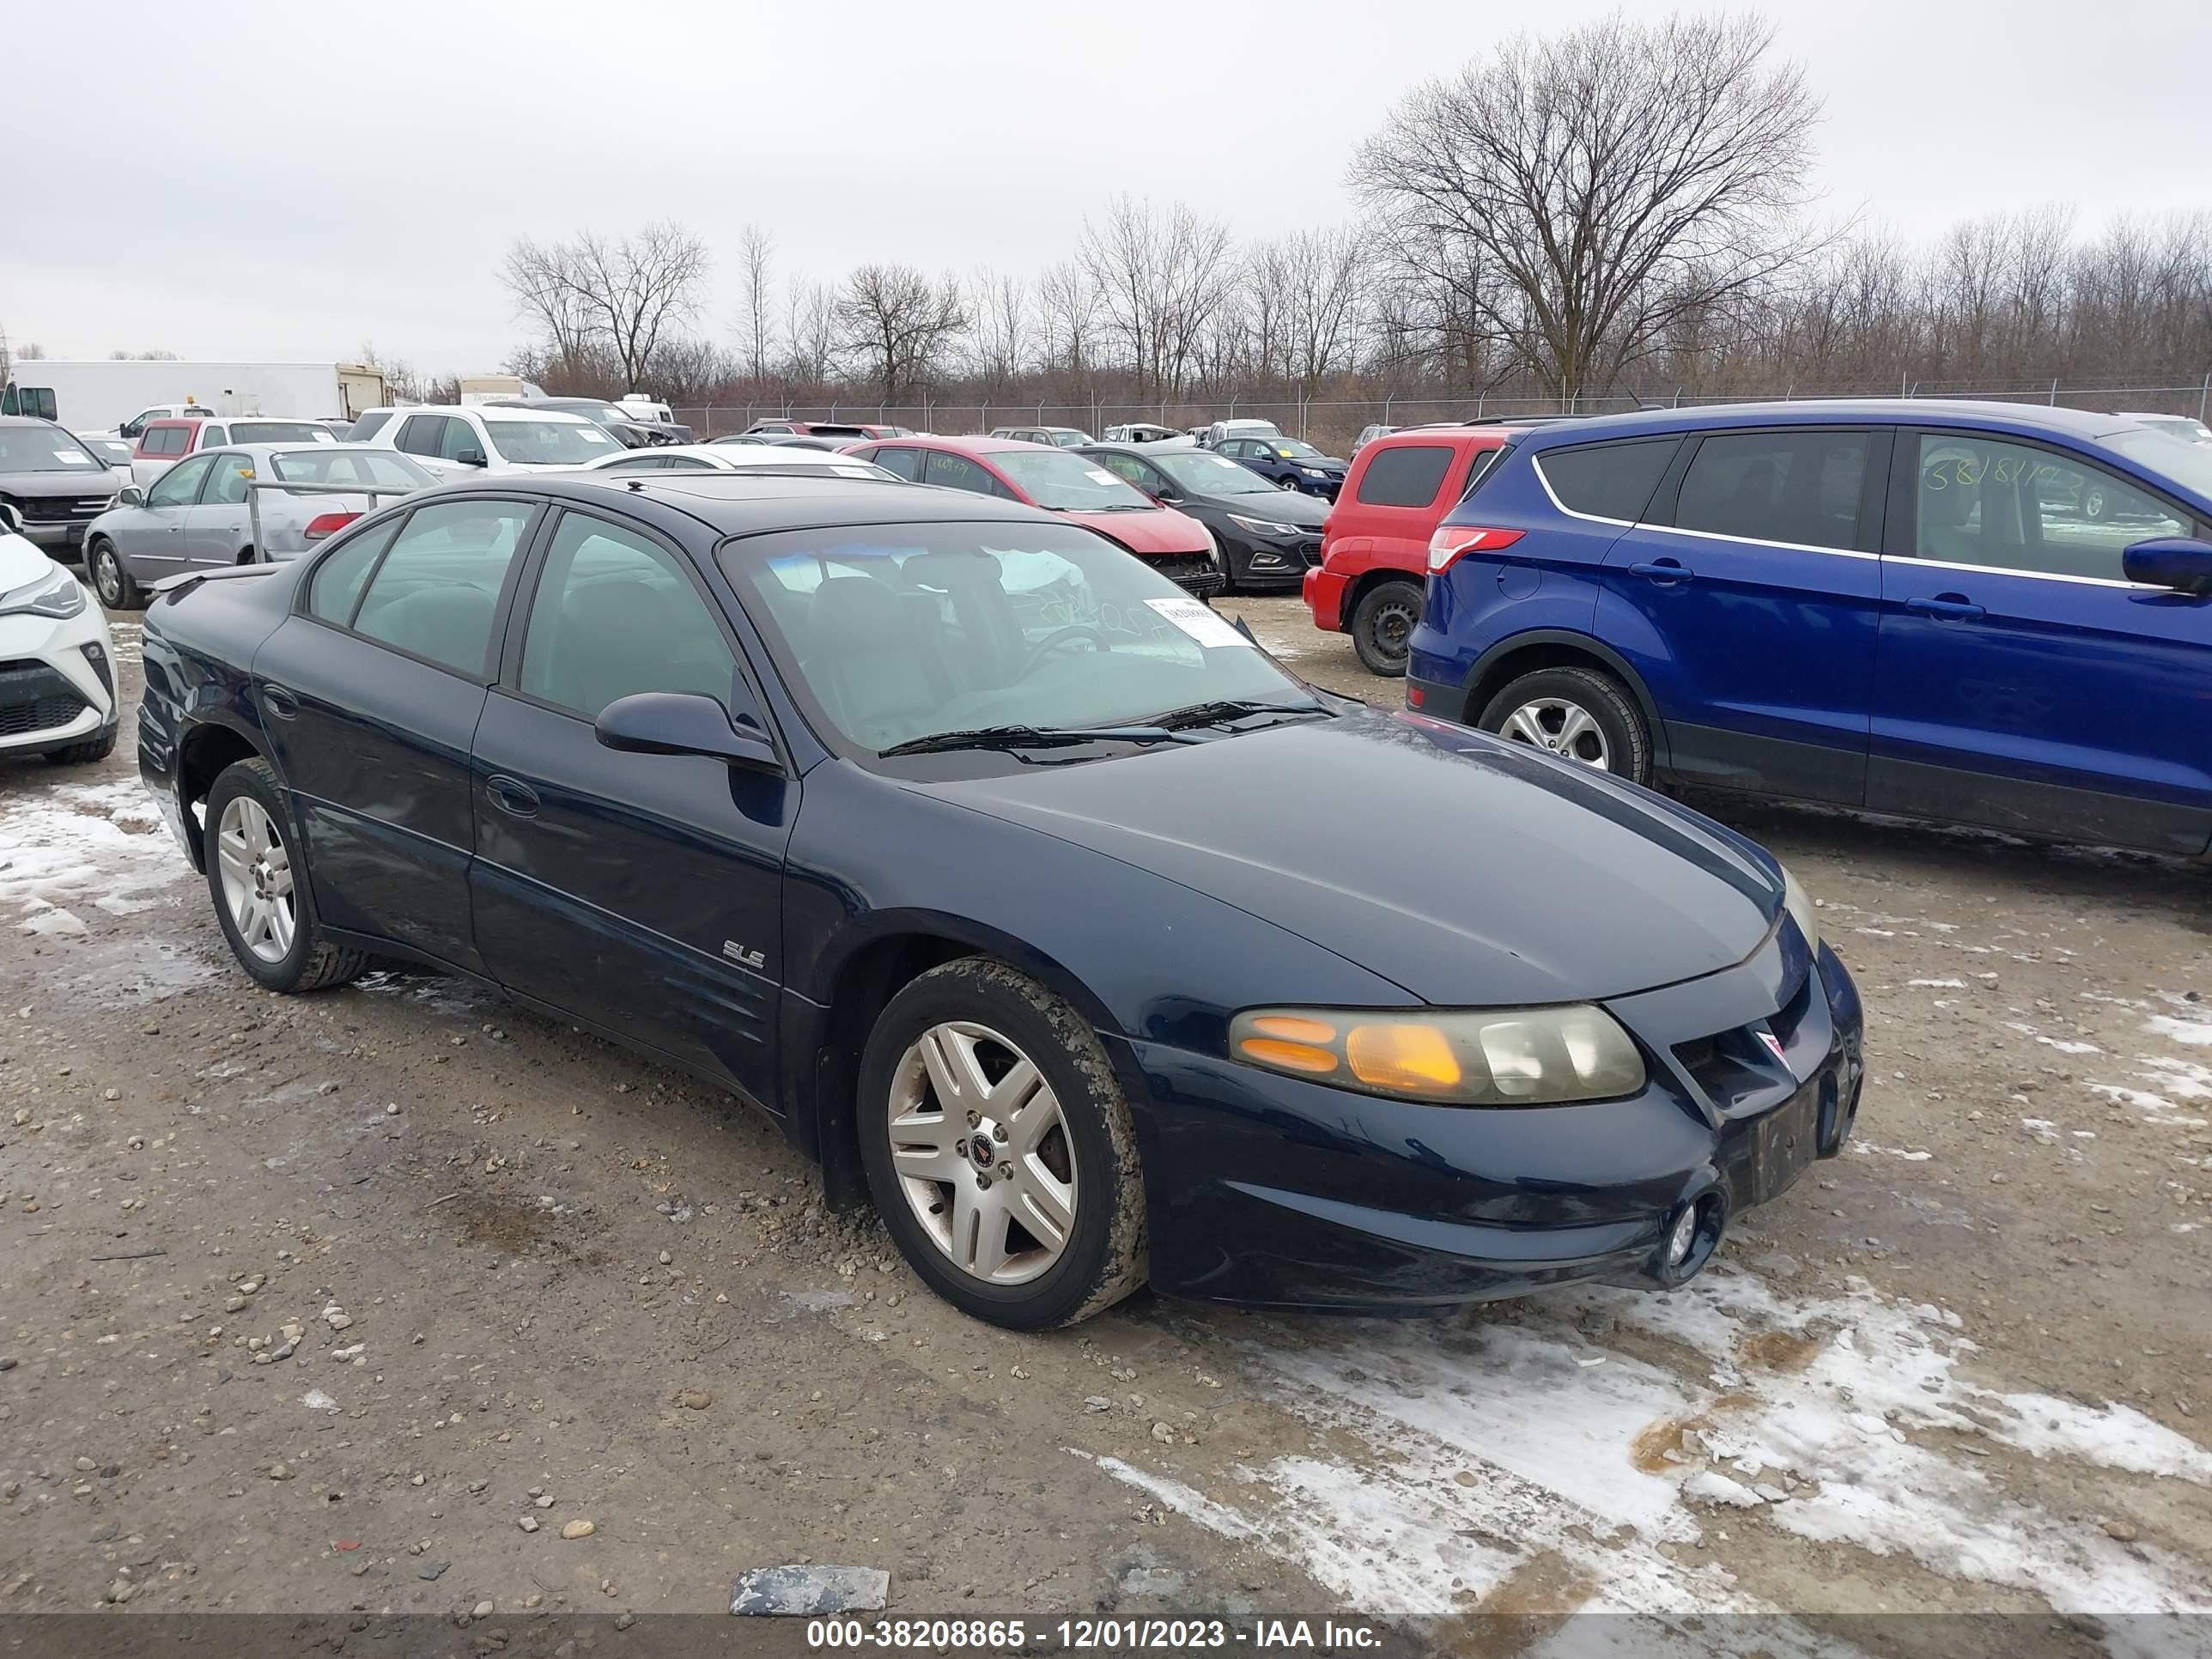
[1067, 317]
[549, 291]
[30, 352]
[401, 383]
[1324, 280]
[811, 334]
[1615, 176]
[756, 262]
[141, 357]
[899, 323]
[634, 288]
[1160, 278]
[1004, 321]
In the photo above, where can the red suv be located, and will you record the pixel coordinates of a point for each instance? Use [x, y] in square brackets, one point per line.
[1174, 544]
[1374, 551]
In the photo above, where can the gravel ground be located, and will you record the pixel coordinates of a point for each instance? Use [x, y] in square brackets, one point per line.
[378, 1300]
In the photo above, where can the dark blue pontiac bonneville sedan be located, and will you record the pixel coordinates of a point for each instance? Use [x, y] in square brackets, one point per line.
[1027, 894]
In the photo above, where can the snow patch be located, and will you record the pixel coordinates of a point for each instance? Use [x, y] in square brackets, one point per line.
[100, 844]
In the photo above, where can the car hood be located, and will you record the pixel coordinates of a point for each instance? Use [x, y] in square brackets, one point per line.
[1150, 529]
[45, 486]
[1469, 870]
[20, 561]
[1277, 507]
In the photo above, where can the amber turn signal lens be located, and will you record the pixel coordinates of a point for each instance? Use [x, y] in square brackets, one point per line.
[1291, 1029]
[1288, 1056]
[1409, 1059]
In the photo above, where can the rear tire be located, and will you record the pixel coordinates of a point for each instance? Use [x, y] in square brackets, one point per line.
[999, 1149]
[1577, 713]
[1383, 626]
[111, 578]
[258, 876]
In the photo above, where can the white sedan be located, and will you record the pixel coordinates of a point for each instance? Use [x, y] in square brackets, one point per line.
[775, 460]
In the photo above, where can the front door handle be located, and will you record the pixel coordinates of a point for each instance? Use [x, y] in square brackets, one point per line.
[1950, 607]
[1664, 571]
[280, 702]
[511, 795]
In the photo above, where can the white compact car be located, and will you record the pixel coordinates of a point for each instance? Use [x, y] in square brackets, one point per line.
[454, 439]
[57, 659]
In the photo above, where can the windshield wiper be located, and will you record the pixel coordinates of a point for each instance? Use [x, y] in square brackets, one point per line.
[1231, 709]
[1031, 737]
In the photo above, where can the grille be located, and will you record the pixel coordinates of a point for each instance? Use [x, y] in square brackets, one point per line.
[34, 698]
[1192, 572]
[1734, 1068]
[57, 509]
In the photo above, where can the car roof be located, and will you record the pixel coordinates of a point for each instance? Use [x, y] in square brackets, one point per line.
[1825, 411]
[741, 502]
[489, 411]
[969, 443]
[295, 447]
[1431, 430]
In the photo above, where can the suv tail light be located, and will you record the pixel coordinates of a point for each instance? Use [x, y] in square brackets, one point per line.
[329, 524]
[1453, 539]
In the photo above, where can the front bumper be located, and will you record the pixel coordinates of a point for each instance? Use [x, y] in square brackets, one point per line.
[1194, 573]
[57, 681]
[1273, 561]
[49, 534]
[1268, 1191]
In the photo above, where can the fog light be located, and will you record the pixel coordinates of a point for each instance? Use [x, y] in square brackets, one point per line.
[1683, 1237]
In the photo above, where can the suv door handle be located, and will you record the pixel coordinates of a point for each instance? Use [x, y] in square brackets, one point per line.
[511, 795]
[1948, 606]
[1664, 571]
[280, 702]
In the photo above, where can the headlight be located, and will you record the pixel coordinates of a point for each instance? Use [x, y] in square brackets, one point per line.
[55, 595]
[1493, 1057]
[1313, 472]
[1262, 526]
[1795, 900]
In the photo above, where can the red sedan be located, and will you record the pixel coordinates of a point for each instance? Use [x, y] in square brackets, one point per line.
[1175, 544]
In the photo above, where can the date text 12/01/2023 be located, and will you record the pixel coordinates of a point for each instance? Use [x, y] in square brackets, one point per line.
[1010, 1635]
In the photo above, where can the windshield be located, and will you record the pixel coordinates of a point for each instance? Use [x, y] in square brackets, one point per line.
[2189, 464]
[887, 633]
[1203, 473]
[279, 432]
[1293, 449]
[2182, 426]
[1067, 439]
[45, 449]
[1069, 483]
[384, 469]
[117, 450]
[548, 443]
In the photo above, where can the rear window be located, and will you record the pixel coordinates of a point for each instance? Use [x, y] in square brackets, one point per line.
[1607, 481]
[368, 425]
[1406, 475]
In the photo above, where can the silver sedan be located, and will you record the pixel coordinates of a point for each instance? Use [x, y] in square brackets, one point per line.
[196, 514]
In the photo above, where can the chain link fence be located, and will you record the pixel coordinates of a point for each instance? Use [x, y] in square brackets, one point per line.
[1334, 423]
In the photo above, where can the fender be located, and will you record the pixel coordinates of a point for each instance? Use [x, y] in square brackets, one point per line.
[1587, 645]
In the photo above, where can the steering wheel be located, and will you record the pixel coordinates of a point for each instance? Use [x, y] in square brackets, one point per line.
[1061, 636]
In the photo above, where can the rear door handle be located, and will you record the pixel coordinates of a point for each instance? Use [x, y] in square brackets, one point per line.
[513, 796]
[280, 702]
[1663, 571]
[1948, 606]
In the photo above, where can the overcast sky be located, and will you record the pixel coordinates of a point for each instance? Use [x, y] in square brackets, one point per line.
[267, 180]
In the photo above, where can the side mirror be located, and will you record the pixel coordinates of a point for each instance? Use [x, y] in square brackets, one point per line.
[11, 520]
[683, 723]
[130, 495]
[2181, 563]
[470, 458]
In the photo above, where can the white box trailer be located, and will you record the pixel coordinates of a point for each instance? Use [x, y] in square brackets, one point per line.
[101, 395]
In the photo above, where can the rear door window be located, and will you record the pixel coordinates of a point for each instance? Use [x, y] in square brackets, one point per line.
[436, 593]
[213, 437]
[1784, 485]
[336, 587]
[1608, 480]
[368, 426]
[1407, 474]
[906, 463]
[419, 435]
[959, 472]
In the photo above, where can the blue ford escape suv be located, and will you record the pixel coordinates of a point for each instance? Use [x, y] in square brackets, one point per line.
[1989, 613]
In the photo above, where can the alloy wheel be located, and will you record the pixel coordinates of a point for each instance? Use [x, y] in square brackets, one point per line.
[981, 1151]
[1564, 728]
[1290, 484]
[256, 879]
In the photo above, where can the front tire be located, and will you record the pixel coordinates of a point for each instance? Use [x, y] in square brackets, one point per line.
[118, 589]
[98, 747]
[1290, 484]
[258, 881]
[1577, 713]
[1383, 626]
[999, 1149]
